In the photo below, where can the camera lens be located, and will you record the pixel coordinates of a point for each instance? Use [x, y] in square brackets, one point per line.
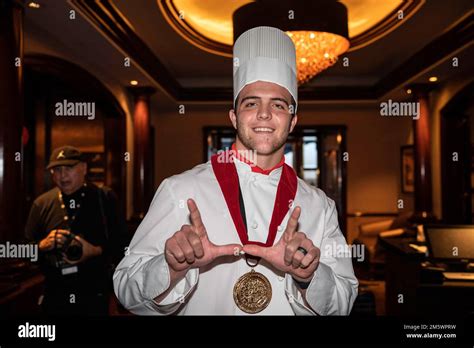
[74, 252]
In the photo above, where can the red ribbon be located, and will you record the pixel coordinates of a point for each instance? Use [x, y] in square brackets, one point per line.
[226, 175]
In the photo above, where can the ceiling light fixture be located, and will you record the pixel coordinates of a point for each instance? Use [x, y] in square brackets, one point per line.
[318, 29]
[433, 79]
[208, 25]
[33, 4]
[134, 82]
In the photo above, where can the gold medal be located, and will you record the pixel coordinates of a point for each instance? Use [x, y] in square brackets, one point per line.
[252, 292]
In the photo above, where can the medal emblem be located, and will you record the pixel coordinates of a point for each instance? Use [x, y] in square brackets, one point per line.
[252, 292]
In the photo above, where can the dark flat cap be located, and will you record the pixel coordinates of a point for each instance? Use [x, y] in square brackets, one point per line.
[65, 156]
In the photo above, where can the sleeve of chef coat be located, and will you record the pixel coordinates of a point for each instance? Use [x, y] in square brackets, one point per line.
[143, 273]
[333, 289]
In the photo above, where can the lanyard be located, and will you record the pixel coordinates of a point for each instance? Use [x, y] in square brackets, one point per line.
[255, 259]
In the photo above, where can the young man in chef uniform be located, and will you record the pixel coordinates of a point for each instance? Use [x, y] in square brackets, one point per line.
[241, 234]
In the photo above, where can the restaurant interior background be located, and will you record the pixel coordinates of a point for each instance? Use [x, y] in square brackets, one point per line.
[160, 75]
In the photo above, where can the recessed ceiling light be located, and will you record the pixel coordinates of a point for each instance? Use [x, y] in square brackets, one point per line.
[33, 4]
[134, 82]
[433, 79]
[408, 91]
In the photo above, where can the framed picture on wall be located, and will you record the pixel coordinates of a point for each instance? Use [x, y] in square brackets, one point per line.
[407, 165]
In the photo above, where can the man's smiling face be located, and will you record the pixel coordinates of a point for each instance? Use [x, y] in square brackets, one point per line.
[263, 119]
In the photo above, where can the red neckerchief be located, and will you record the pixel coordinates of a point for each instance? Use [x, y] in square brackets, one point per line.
[254, 166]
[228, 179]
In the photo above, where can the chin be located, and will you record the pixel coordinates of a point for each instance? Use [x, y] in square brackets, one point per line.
[264, 149]
[65, 189]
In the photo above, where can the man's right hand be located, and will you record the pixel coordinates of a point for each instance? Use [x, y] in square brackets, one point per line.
[47, 243]
[190, 246]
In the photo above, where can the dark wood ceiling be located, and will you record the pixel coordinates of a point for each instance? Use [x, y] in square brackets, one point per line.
[438, 31]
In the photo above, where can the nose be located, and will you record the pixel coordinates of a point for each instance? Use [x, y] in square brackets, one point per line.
[264, 112]
[63, 172]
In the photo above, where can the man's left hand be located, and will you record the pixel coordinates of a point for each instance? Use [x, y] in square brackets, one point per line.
[285, 255]
[88, 250]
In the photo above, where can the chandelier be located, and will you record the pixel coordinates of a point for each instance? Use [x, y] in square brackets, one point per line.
[319, 29]
[316, 51]
[212, 25]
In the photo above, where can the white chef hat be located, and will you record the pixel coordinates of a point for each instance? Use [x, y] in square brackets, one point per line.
[265, 54]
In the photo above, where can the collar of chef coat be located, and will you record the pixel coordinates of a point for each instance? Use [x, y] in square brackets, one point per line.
[256, 169]
[245, 172]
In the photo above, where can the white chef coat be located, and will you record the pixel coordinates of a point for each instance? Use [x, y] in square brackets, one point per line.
[143, 273]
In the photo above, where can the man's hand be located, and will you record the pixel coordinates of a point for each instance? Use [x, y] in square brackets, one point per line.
[285, 255]
[88, 250]
[48, 244]
[190, 246]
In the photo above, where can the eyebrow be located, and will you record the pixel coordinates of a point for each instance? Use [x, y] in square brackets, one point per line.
[255, 97]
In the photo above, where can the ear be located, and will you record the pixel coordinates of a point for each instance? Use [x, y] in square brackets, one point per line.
[293, 122]
[233, 118]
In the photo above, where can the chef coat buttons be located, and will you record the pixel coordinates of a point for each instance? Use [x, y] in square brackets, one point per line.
[280, 228]
[254, 225]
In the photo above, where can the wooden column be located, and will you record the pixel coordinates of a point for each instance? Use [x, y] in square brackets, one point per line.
[143, 189]
[11, 119]
[422, 151]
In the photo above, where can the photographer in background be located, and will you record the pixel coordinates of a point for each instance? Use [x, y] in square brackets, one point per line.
[80, 234]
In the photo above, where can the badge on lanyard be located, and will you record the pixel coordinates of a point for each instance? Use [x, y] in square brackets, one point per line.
[69, 270]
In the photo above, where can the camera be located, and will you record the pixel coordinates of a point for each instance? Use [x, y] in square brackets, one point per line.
[72, 250]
